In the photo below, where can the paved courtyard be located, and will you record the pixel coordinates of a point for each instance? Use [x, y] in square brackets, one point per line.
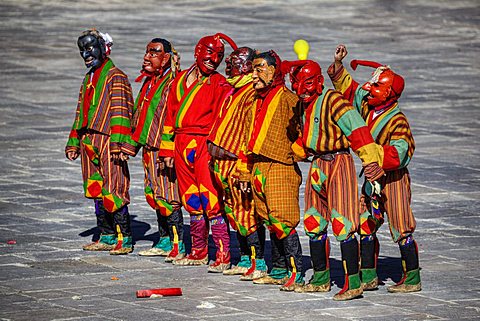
[45, 275]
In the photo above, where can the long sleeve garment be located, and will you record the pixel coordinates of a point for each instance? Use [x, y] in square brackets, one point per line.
[105, 105]
[192, 110]
[389, 127]
[332, 124]
[149, 114]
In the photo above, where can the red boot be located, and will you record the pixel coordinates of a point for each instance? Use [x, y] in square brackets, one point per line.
[221, 264]
[197, 257]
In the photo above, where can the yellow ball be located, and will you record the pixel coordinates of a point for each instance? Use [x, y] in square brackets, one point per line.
[301, 48]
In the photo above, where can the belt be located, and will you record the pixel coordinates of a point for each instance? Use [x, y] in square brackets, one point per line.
[330, 156]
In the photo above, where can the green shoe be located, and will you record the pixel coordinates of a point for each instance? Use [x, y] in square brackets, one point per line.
[320, 282]
[369, 279]
[409, 283]
[123, 247]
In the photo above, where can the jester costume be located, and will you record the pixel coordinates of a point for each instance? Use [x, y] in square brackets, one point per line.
[228, 135]
[160, 184]
[191, 112]
[276, 177]
[102, 122]
[390, 129]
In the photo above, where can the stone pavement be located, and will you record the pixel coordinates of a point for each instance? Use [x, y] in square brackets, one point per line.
[46, 275]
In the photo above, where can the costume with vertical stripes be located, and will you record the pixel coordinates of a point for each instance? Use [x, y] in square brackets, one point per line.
[391, 130]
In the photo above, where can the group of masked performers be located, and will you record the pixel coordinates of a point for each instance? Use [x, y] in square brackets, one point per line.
[227, 151]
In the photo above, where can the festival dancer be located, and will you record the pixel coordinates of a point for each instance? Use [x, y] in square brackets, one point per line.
[102, 118]
[195, 100]
[226, 142]
[377, 101]
[160, 65]
[331, 126]
[276, 177]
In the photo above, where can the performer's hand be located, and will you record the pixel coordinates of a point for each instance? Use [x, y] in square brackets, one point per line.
[245, 187]
[161, 163]
[124, 157]
[72, 155]
[168, 161]
[340, 53]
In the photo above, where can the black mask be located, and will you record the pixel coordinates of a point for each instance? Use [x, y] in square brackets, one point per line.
[92, 51]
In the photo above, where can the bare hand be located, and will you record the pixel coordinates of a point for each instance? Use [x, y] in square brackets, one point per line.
[340, 53]
[245, 187]
[72, 155]
[124, 157]
[168, 161]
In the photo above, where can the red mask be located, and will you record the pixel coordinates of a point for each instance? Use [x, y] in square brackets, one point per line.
[384, 88]
[209, 54]
[307, 81]
[239, 62]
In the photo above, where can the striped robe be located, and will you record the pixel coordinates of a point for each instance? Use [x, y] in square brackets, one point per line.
[101, 125]
[332, 124]
[161, 191]
[228, 133]
[391, 130]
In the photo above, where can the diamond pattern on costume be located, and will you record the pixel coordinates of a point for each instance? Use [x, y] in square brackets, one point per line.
[93, 186]
[189, 153]
[165, 208]
[191, 199]
[340, 225]
[149, 197]
[317, 177]
[313, 222]
[209, 199]
[111, 202]
[259, 183]
[92, 151]
[280, 229]
[368, 224]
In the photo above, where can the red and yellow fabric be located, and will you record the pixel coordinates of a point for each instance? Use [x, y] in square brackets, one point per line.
[276, 195]
[192, 110]
[274, 127]
[331, 191]
[161, 190]
[150, 101]
[106, 180]
[331, 123]
[239, 209]
[230, 130]
[389, 128]
[395, 201]
[105, 105]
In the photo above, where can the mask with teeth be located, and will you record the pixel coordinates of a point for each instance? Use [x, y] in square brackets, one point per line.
[92, 50]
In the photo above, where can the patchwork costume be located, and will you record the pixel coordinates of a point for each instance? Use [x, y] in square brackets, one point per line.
[161, 190]
[390, 129]
[191, 112]
[276, 177]
[101, 125]
[227, 142]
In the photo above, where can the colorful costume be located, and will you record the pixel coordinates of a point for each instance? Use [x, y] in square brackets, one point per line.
[391, 130]
[191, 112]
[101, 123]
[161, 190]
[276, 178]
[331, 126]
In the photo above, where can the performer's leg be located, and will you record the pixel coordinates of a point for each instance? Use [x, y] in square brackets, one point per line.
[410, 281]
[199, 235]
[121, 219]
[175, 231]
[108, 237]
[352, 287]
[258, 267]
[279, 273]
[293, 254]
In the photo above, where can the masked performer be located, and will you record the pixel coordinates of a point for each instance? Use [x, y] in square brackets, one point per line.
[377, 101]
[331, 126]
[101, 124]
[276, 177]
[226, 142]
[195, 99]
[160, 64]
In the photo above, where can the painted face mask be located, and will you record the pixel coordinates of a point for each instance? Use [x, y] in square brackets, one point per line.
[92, 50]
[307, 81]
[155, 58]
[239, 62]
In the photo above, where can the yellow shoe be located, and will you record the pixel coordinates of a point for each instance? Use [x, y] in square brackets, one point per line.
[154, 251]
[370, 286]
[405, 288]
[269, 280]
[121, 251]
[235, 270]
[257, 274]
[98, 246]
[313, 288]
[348, 295]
